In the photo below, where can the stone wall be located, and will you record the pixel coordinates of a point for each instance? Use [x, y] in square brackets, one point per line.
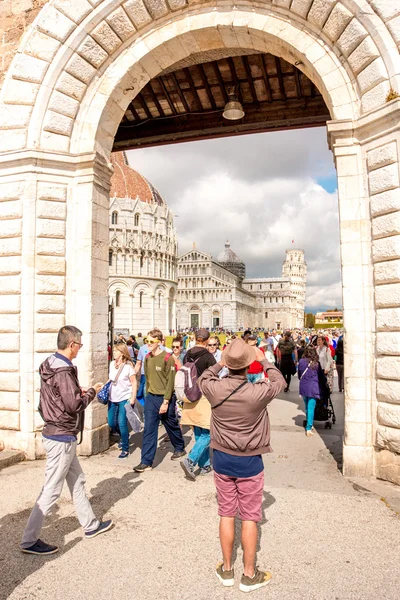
[15, 17]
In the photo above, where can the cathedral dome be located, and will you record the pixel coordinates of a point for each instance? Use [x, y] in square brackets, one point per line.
[228, 255]
[128, 183]
[229, 260]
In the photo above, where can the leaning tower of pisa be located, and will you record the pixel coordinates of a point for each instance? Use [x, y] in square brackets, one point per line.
[295, 268]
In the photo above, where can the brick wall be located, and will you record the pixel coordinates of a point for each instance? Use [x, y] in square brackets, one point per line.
[15, 17]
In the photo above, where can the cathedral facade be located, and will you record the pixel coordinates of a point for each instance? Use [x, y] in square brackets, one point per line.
[215, 293]
[149, 285]
[142, 253]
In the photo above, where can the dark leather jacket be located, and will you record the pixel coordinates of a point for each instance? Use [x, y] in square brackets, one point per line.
[62, 402]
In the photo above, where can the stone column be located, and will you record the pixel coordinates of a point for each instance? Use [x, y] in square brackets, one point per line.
[357, 287]
[166, 315]
[54, 265]
[174, 323]
[382, 151]
[153, 299]
[131, 297]
[367, 161]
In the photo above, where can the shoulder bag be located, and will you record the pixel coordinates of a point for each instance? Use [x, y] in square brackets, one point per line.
[103, 395]
[231, 394]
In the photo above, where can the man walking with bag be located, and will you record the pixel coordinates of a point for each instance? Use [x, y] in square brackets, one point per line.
[240, 434]
[198, 414]
[159, 369]
[62, 404]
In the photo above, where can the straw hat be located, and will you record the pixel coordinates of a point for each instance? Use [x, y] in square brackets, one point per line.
[238, 355]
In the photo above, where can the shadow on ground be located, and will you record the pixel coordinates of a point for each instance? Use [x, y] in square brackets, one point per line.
[267, 502]
[332, 438]
[15, 566]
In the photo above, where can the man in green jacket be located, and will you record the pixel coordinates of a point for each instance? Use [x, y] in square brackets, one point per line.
[240, 434]
[159, 370]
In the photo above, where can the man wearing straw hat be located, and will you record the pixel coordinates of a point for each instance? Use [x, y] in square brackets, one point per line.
[240, 434]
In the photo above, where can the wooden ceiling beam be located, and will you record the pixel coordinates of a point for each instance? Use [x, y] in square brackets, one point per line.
[193, 89]
[207, 86]
[143, 104]
[265, 78]
[250, 78]
[280, 77]
[297, 80]
[167, 96]
[264, 117]
[235, 79]
[155, 99]
[134, 112]
[221, 82]
[180, 93]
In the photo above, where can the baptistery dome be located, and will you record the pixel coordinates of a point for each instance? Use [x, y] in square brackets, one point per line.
[142, 253]
[128, 183]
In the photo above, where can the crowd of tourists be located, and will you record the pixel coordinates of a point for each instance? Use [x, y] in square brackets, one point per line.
[220, 390]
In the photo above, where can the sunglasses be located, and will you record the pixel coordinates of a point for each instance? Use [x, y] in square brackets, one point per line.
[211, 345]
[151, 341]
[176, 347]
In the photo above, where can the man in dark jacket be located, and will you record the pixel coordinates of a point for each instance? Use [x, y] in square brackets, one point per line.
[62, 404]
[240, 434]
[198, 414]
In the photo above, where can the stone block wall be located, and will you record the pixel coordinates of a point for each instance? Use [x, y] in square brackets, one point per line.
[15, 17]
[384, 187]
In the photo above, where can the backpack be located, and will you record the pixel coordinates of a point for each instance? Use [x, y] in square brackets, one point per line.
[186, 386]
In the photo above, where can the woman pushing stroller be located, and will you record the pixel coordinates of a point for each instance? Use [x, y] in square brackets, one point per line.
[310, 373]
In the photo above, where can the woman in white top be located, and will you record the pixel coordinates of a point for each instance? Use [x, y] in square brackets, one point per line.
[123, 389]
[325, 359]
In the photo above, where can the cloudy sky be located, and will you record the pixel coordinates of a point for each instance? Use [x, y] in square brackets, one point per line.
[260, 192]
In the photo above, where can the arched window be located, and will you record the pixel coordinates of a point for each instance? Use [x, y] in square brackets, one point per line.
[117, 298]
[114, 218]
[137, 218]
[141, 261]
[266, 315]
[159, 300]
[110, 257]
[140, 299]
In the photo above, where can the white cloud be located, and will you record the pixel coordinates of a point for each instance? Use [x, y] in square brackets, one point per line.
[259, 191]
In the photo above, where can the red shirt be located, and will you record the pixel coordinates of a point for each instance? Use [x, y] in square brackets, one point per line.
[255, 367]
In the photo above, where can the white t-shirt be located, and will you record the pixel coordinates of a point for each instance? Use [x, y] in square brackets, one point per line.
[123, 389]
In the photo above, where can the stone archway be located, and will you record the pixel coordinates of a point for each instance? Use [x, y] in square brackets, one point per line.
[76, 70]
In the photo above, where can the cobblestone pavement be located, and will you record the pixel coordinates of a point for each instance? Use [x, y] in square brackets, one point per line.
[323, 536]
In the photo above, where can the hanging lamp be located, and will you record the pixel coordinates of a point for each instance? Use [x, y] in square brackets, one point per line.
[233, 110]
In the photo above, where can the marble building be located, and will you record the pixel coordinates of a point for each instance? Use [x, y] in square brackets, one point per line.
[214, 293]
[142, 253]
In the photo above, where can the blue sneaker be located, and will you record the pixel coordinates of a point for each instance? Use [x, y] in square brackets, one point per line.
[40, 549]
[119, 445]
[124, 454]
[102, 528]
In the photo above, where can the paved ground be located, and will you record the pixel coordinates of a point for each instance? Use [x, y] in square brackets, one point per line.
[323, 537]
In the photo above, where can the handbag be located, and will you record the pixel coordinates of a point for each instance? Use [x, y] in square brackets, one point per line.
[103, 395]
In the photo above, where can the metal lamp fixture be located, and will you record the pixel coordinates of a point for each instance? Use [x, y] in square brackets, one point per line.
[233, 110]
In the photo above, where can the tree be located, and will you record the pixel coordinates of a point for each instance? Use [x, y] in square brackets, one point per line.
[310, 320]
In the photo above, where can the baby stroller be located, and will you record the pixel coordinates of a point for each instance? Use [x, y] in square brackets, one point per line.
[324, 410]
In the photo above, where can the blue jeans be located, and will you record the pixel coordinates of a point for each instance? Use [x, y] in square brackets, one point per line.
[309, 404]
[117, 421]
[200, 453]
[140, 396]
[152, 418]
